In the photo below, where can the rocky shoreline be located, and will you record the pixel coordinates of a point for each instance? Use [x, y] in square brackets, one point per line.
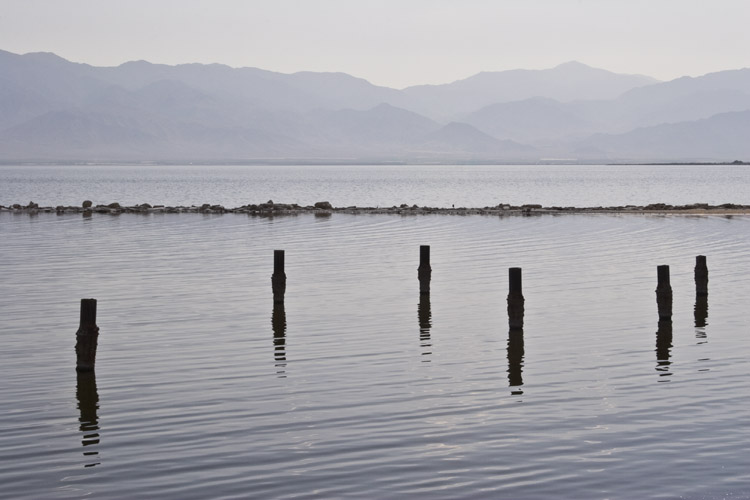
[324, 207]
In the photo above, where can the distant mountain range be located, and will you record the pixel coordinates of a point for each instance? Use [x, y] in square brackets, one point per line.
[55, 110]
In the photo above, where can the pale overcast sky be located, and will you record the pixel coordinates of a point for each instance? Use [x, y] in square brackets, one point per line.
[390, 42]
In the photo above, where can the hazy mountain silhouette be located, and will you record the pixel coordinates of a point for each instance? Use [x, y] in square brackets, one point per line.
[566, 82]
[722, 137]
[466, 140]
[53, 109]
[534, 120]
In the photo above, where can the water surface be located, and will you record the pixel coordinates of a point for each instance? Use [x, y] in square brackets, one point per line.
[357, 387]
[373, 186]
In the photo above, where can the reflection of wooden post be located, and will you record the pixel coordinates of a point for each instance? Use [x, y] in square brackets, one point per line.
[664, 294]
[278, 279]
[701, 310]
[515, 299]
[278, 323]
[424, 272]
[87, 337]
[515, 360]
[88, 404]
[701, 275]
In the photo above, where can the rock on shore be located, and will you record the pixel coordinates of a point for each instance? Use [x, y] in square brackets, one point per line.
[325, 207]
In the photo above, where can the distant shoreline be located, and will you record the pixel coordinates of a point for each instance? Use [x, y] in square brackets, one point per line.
[354, 162]
[729, 163]
[325, 208]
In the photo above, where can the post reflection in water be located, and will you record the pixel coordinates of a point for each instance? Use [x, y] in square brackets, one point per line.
[278, 324]
[515, 360]
[88, 405]
[663, 349]
[424, 313]
[701, 315]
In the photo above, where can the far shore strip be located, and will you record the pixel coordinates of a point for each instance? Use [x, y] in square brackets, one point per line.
[324, 208]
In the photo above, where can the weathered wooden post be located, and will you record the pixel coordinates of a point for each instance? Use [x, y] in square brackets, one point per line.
[701, 275]
[424, 272]
[515, 299]
[663, 293]
[278, 279]
[87, 337]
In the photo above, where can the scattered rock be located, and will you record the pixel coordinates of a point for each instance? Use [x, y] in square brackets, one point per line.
[87, 204]
[323, 205]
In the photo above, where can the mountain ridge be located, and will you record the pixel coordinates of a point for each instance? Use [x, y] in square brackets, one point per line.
[51, 108]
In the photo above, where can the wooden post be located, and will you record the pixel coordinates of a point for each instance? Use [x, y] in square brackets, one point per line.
[87, 337]
[664, 294]
[424, 272]
[515, 299]
[278, 279]
[701, 275]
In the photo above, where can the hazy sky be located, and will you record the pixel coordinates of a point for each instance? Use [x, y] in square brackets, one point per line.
[390, 42]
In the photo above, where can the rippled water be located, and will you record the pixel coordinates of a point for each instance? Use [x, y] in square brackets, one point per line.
[433, 186]
[356, 388]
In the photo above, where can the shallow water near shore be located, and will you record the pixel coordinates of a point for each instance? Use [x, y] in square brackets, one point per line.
[359, 388]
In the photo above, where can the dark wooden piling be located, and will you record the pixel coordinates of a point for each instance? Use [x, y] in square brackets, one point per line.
[664, 293]
[701, 275]
[424, 272]
[515, 299]
[278, 279]
[87, 337]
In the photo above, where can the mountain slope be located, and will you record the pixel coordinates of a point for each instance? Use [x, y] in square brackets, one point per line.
[565, 82]
[53, 109]
[721, 137]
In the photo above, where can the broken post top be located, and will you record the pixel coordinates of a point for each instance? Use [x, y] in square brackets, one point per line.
[88, 312]
[278, 261]
[662, 274]
[701, 275]
[515, 280]
[424, 255]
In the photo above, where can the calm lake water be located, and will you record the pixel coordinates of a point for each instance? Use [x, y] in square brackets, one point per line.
[356, 387]
[434, 186]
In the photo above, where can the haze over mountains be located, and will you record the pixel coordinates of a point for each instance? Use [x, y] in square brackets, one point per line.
[55, 110]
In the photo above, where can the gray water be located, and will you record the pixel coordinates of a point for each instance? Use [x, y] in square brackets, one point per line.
[357, 388]
[384, 186]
